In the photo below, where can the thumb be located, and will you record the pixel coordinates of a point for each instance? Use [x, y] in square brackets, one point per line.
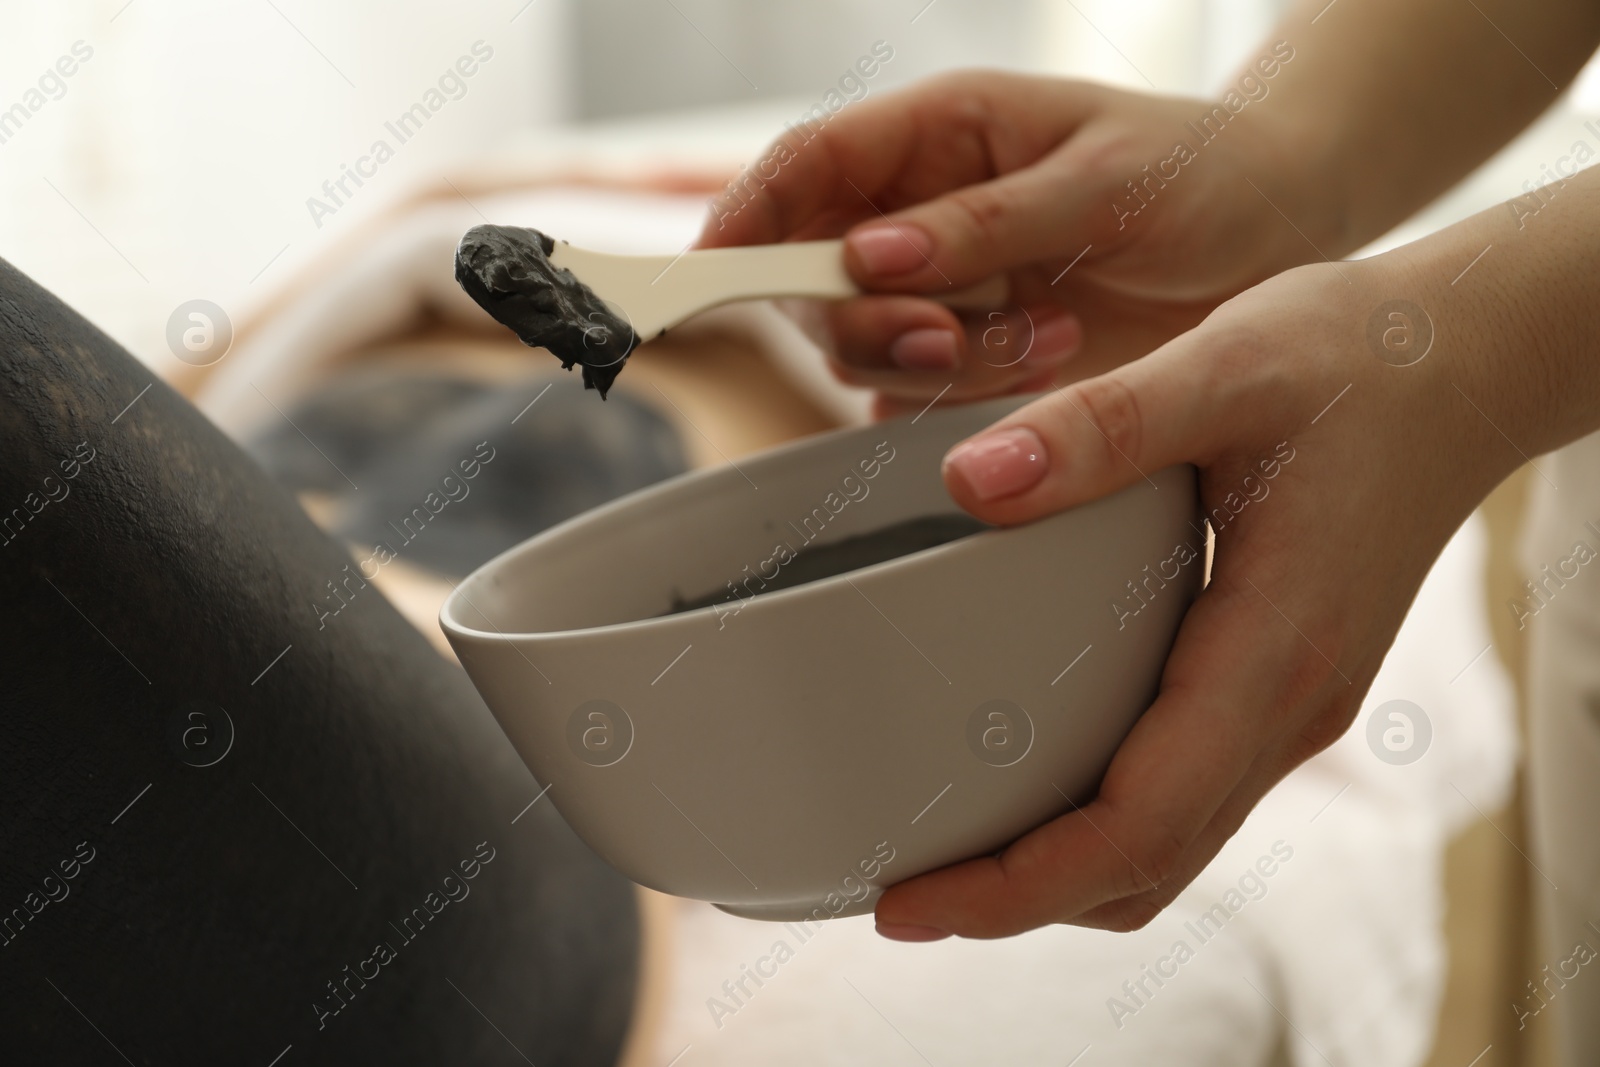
[1038, 213]
[1089, 439]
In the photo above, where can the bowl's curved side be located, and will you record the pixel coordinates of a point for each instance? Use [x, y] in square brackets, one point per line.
[835, 738]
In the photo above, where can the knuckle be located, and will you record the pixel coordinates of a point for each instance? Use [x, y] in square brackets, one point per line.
[1326, 728]
[1146, 865]
[1113, 411]
[1158, 857]
[1236, 349]
[1315, 670]
[1104, 159]
[1130, 879]
[981, 212]
[961, 96]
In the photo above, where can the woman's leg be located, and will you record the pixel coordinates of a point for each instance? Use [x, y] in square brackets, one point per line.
[234, 825]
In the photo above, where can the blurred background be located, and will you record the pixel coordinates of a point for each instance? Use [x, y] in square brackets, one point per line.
[196, 149]
[176, 162]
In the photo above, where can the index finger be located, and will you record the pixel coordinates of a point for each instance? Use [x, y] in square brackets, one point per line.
[825, 173]
[795, 187]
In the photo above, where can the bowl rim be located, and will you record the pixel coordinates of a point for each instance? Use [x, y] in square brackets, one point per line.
[981, 540]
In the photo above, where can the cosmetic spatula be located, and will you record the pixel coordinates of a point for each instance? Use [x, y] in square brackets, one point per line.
[594, 308]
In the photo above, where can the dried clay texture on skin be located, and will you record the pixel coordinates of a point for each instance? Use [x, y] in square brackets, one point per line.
[507, 270]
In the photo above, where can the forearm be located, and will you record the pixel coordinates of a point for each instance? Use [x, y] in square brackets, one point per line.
[1389, 102]
[1512, 296]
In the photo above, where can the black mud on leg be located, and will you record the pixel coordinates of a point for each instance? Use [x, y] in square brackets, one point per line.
[230, 825]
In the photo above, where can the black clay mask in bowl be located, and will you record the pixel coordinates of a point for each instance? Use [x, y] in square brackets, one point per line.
[851, 554]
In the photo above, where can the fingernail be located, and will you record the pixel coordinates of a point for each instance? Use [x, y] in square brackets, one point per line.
[998, 464]
[1055, 339]
[889, 250]
[906, 932]
[930, 349]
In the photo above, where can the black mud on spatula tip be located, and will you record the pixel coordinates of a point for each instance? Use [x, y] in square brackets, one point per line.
[507, 270]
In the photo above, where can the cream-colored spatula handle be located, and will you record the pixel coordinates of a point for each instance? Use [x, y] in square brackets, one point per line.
[655, 293]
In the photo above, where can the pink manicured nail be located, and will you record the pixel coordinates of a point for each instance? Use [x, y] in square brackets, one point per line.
[1002, 463]
[1055, 340]
[905, 932]
[889, 250]
[931, 349]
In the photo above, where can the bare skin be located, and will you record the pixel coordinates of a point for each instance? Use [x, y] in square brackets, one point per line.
[1246, 348]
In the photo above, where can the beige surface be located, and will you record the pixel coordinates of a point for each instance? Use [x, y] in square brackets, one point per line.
[1489, 926]
[658, 927]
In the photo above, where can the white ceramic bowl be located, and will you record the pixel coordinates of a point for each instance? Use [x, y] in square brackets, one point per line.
[790, 754]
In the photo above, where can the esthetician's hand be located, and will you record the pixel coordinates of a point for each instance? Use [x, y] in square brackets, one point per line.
[1311, 577]
[978, 174]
